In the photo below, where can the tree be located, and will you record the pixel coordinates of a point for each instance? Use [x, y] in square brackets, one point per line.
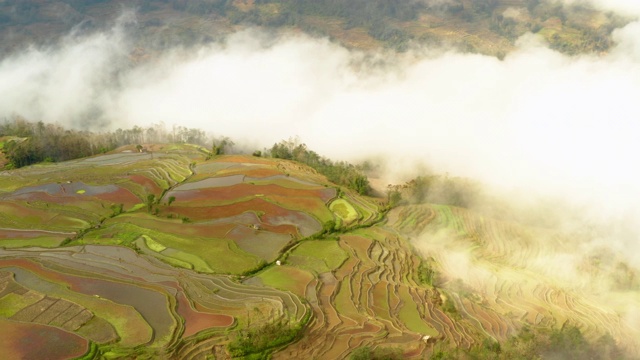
[394, 196]
[341, 173]
[151, 198]
[171, 200]
[220, 146]
[328, 226]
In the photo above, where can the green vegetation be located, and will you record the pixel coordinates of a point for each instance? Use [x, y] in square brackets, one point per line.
[439, 189]
[360, 273]
[38, 142]
[117, 209]
[567, 342]
[450, 307]
[286, 278]
[344, 210]
[93, 352]
[205, 255]
[379, 353]
[394, 196]
[151, 199]
[259, 341]
[318, 255]
[153, 245]
[337, 172]
[44, 241]
[411, 317]
[220, 146]
[11, 303]
[426, 273]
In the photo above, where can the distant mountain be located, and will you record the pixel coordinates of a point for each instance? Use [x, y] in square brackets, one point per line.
[484, 26]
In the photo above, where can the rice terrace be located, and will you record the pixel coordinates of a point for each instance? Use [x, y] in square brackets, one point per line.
[176, 252]
[473, 194]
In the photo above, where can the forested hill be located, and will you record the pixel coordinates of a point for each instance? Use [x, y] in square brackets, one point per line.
[484, 26]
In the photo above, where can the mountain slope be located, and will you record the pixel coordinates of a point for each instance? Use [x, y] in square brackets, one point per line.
[193, 256]
[487, 26]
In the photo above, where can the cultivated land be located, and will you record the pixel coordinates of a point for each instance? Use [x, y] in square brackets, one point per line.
[174, 253]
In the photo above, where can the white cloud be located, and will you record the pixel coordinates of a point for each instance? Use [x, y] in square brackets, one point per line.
[538, 120]
[625, 7]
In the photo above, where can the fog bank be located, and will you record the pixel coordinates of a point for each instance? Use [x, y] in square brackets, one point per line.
[538, 121]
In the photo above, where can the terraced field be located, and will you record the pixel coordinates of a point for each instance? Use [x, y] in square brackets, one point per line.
[373, 299]
[168, 254]
[122, 250]
[499, 275]
[121, 300]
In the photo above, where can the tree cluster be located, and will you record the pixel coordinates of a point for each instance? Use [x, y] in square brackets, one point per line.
[257, 342]
[37, 142]
[31, 143]
[441, 189]
[341, 173]
[379, 353]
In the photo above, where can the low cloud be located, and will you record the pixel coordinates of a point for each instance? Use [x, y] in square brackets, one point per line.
[629, 8]
[538, 121]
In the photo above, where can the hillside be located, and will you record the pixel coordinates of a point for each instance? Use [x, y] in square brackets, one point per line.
[175, 252]
[483, 26]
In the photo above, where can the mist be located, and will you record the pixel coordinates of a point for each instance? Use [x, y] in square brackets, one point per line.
[537, 122]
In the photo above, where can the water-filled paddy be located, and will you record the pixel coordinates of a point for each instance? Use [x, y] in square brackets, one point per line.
[212, 182]
[264, 244]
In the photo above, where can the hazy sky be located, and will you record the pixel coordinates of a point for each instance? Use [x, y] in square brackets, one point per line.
[538, 120]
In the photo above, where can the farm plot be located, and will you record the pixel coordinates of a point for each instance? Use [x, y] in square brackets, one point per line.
[20, 215]
[204, 254]
[304, 200]
[37, 341]
[286, 278]
[12, 238]
[196, 321]
[369, 299]
[318, 256]
[266, 245]
[108, 280]
[268, 213]
[77, 195]
[344, 210]
[128, 323]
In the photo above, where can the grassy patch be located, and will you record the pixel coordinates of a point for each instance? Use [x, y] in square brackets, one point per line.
[329, 252]
[286, 278]
[153, 245]
[12, 303]
[181, 257]
[344, 210]
[137, 207]
[411, 318]
[46, 242]
[258, 342]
